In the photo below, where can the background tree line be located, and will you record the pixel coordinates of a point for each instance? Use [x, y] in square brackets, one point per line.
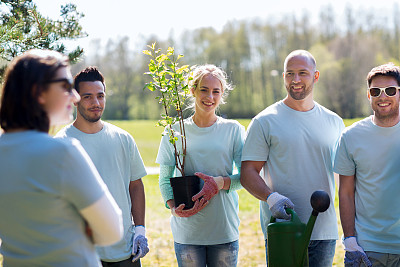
[251, 52]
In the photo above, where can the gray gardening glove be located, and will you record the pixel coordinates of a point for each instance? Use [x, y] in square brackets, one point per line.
[140, 247]
[355, 255]
[277, 205]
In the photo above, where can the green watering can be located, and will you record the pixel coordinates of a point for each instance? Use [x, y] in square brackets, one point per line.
[288, 241]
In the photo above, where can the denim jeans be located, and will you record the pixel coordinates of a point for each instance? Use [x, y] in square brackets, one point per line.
[210, 255]
[320, 252]
[377, 259]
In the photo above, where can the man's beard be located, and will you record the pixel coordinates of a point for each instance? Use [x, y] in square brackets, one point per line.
[87, 117]
[299, 95]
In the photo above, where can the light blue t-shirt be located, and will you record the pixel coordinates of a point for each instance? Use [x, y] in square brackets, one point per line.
[213, 151]
[372, 153]
[117, 158]
[44, 183]
[299, 149]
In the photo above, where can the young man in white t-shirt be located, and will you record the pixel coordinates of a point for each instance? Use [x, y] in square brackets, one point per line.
[367, 161]
[117, 158]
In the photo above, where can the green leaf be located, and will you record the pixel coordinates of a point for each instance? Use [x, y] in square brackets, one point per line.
[152, 68]
[147, 52]
[161, 58]
[150, 87]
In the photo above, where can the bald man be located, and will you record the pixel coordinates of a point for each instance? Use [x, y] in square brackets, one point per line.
[294, 141]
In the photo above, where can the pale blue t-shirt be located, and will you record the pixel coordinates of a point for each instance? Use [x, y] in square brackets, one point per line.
[213, 151]
[299, 149]
[117, 158]
[372, 153]
[44, 183]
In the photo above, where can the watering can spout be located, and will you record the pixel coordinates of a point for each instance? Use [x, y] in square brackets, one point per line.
[320, 202]
[294, 235]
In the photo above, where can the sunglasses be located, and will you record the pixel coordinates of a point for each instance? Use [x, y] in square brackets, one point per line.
[389, 91]
[68, 81]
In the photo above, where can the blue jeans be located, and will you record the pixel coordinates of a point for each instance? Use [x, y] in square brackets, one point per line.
[210, 255]
[377, 259]
[320, 252]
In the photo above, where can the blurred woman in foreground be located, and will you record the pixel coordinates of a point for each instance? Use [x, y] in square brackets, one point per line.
[50, 192]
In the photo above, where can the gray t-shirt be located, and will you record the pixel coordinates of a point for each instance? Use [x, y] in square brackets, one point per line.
[372, 153]
[299, 149]
[44, 183]
[213, 151]
[117, 158]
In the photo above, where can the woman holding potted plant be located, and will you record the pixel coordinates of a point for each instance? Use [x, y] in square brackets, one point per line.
[207, 233]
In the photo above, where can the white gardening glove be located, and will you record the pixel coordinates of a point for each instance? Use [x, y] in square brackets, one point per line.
[354, 253]
[277, 204]
[140, 247]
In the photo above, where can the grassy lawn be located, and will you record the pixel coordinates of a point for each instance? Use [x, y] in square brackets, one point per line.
[251, 252]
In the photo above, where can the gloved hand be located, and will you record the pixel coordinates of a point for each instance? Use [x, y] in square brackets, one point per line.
[198, 206]
[355, 255]
[210, 188]
[277, 204]
[140, 247]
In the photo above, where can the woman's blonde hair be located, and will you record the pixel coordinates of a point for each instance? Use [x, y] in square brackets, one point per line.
[198, 74]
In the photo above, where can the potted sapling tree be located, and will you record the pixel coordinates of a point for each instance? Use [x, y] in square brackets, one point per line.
[170, 81]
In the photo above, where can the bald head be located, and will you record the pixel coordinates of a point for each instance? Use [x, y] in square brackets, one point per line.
[301, 53]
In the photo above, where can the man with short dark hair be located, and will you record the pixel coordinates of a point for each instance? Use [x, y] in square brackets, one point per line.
[117, 158]
[367, 161]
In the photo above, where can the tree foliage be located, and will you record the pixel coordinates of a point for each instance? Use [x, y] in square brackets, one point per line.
[169, 81]
[22, 28]
[252, 52]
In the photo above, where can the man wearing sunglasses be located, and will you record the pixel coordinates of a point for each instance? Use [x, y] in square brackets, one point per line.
[368, 163]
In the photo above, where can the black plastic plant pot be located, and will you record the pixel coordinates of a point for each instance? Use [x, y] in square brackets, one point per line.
[184, 188]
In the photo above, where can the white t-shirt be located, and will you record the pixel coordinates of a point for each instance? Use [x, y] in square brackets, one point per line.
[44, 183]
[372, 153]
[299, 149]
[117, 158]
[213, 151]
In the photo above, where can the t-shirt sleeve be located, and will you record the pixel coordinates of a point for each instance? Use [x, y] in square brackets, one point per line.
[238, 146]
[255, 147]
[166, 155]
[344, 163]
[340, 128]
[137, 165]
[237, 157]
[81, 183]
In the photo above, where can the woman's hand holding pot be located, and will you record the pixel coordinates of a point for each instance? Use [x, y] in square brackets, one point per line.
[198, 206]
[210, 188]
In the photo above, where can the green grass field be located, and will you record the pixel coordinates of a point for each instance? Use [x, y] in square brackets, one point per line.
[251, 252]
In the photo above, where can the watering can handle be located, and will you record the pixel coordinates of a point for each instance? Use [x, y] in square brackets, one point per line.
[293, 217]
